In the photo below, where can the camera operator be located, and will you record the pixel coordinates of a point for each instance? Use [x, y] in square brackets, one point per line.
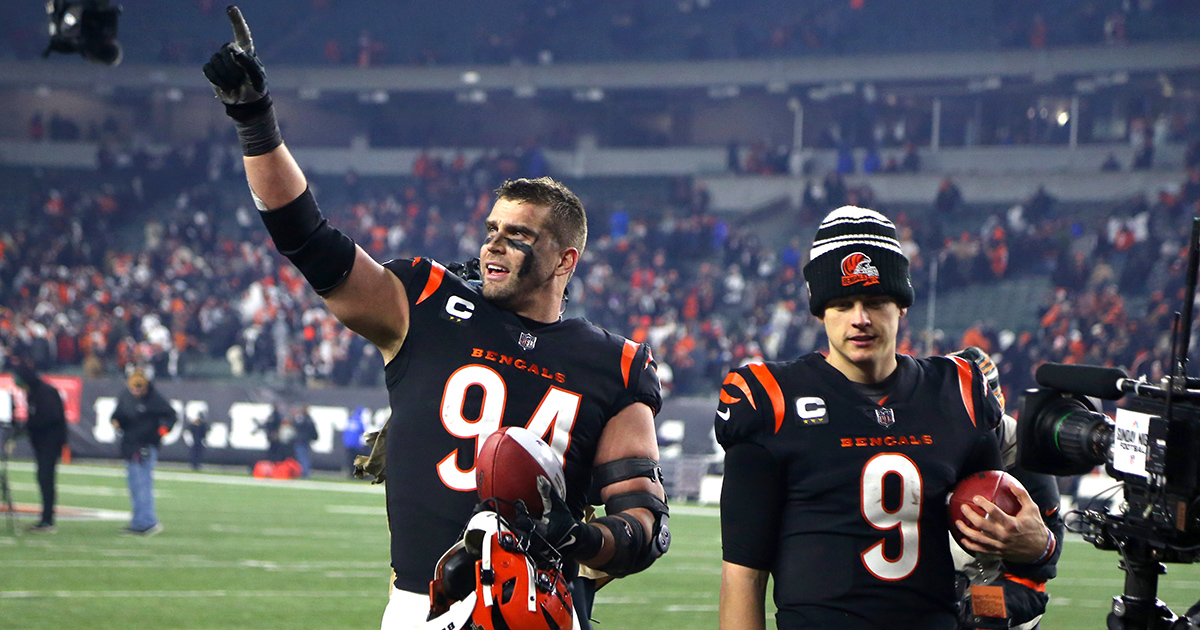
[46, 424]
[1024, 585]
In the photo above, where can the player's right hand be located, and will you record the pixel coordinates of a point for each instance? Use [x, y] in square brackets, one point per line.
[570, 536]
[237, 76]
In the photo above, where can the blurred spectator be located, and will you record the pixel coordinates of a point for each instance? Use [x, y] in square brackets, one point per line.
[197, 428]
[142, 416]
[46, 424]
[911, 162]
[1040, 206]
[281, 434]
[37, 127]
[306, 433]
[871, 160]
[1144, 158]
[948, 199]
[354, 437]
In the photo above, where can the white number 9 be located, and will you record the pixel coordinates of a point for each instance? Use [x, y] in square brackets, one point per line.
[905, 516]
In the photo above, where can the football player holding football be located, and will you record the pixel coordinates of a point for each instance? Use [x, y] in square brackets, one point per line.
[463, 358]
[1023, 584]
[837, 466]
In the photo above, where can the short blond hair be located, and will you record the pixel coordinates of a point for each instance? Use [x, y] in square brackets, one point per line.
[137, 378]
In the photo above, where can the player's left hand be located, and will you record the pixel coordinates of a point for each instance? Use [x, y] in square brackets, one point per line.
[235, 72]
[1018, 538]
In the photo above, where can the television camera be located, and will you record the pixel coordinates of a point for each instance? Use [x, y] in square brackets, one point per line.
[87, 27]
[1151, 445]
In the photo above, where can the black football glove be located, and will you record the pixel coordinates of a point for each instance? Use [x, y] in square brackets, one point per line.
[237, 76]
[570, 536]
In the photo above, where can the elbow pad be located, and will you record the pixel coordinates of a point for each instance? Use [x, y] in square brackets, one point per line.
[635, 551]
[324, 255]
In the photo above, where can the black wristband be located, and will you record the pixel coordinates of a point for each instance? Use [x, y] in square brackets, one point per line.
[588, 542]
[257, 128]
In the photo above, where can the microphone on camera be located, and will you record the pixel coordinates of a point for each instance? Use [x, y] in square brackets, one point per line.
[1088, 380]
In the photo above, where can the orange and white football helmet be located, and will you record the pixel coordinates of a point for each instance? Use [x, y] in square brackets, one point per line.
[490, 579]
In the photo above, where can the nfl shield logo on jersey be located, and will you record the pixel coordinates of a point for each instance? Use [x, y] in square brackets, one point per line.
[527, 341]
[885, 417]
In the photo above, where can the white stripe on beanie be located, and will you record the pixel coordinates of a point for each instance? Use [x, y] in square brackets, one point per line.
[827, 245]
[873, 221]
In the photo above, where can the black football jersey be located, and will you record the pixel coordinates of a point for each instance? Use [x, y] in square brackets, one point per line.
[842, 499]
[468, 368]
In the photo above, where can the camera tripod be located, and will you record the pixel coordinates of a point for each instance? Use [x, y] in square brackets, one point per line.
[10, 513]
[1139, 607]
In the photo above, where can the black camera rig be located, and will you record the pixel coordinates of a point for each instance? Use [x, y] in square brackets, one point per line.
[1151, 445]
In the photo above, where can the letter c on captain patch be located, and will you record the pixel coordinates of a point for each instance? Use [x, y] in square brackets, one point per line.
[459, 308]
[811, 410]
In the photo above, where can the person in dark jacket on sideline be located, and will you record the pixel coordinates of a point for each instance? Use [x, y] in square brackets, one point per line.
[142, 416]
[46, 425]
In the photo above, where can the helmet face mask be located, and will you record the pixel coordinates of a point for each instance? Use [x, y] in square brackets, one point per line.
[514, 588]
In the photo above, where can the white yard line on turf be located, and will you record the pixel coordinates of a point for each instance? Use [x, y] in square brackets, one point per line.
[91, 491]
[373, 593]
[363, 487]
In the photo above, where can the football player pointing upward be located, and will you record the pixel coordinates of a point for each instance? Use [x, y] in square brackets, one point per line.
[837, 467]
[462, 361]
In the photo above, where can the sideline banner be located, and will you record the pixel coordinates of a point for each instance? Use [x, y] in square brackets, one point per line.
[235, 413]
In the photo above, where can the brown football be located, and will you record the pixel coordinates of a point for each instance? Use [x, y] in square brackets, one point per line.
[994, 485]
[507, 468]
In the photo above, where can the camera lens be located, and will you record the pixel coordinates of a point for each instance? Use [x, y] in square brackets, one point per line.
[1061, 435]
[1084, 436]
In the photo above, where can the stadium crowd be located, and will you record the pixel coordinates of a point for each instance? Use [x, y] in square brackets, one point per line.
[551, 31]
[148, 265]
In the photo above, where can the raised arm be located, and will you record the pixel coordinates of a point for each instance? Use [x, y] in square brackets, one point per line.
[360, 292]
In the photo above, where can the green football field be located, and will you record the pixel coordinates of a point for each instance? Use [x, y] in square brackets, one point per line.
[243, 553]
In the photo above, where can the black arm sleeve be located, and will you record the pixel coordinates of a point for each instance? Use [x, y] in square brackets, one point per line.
[985, 455]
[1044, 491]
[751, 505]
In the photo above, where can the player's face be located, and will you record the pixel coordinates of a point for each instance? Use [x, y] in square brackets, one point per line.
[862, 335]
[517, 259]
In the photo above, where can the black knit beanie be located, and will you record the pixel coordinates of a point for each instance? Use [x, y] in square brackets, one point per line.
[856, 252]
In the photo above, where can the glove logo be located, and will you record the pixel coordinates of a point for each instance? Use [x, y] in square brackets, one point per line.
[857, 268]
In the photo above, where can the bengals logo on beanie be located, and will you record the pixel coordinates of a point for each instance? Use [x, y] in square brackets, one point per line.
[855, 252]
[857, 268]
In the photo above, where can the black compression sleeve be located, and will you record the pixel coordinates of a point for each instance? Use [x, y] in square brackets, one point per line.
[984, 455]
[751, 506]
[323, 255]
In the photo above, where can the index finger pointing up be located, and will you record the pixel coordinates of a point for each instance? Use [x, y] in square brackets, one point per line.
[241, 32]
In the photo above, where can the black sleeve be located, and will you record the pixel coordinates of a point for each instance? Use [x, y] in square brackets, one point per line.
[751, 505]
[415, 274]
[989, 414]
[644, 386]
[984, 455]
[1043, 489]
